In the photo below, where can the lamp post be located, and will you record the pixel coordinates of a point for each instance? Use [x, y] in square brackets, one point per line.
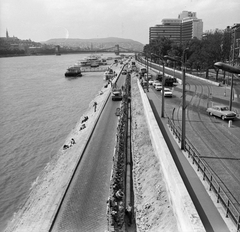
[183, 62]
[146, 57]
[147, 75]
[232, 69]
[163, 83]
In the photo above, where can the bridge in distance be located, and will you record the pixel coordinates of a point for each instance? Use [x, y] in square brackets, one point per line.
[116, 49]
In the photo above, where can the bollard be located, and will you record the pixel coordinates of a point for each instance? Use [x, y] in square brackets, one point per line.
[229, 123]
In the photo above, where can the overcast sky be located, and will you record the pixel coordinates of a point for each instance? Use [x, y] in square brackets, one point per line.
[40, 20]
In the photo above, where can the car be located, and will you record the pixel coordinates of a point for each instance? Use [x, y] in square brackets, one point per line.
[221, 111]
[124, 72]
[158, 86]
[150, 82]
[155, 82]
[116, 94]
[167, 92]
[149, 76]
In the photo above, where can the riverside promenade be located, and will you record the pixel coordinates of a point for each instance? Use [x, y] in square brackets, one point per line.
[38, 211]
[162, 202]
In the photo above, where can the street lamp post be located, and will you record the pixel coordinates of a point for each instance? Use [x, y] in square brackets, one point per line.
[232, 69]
[183, 103]
[183, 62]
[163, 83]
[163, 89]
[146, 58]
[147, 75]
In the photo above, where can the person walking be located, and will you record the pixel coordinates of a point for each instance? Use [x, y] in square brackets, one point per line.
[95, 106]
[129, 214]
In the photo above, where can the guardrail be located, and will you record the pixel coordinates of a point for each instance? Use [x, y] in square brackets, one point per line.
[91, 69]
[208, 175]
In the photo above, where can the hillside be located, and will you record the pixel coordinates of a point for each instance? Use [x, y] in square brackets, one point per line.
[99, 43]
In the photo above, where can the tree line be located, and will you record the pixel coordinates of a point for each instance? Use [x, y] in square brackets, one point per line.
[200, 54]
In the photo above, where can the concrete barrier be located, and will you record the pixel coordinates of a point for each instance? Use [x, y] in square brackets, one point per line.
[186, 214]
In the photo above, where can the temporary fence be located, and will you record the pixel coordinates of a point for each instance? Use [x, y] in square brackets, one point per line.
[116, 201]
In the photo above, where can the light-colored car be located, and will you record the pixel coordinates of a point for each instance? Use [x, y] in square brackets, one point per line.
[155, 82]
[221, 111]
[158, 86]
[150, 82]
[167, 92]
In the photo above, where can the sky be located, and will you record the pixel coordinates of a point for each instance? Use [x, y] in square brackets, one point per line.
[41, 20]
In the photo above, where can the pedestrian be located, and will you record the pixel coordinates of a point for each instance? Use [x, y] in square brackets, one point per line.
[95, 106]
[129, 214]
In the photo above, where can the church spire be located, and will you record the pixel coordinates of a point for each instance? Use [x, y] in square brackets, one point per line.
[7, 36]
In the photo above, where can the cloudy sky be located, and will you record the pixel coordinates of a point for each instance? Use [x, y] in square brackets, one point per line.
[40, 20]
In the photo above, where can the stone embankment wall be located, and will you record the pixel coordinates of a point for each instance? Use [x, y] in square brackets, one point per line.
[162, 202]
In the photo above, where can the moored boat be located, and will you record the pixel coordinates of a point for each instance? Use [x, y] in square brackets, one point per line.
[73, 71]
[90, 61]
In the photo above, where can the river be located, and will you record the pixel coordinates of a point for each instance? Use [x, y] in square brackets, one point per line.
[38, 109]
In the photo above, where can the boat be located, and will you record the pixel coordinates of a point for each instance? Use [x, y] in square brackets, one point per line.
[73, 71]
[90, 61]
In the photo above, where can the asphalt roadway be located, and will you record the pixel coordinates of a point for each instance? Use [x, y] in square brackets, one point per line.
[84, 207]
[216, 141]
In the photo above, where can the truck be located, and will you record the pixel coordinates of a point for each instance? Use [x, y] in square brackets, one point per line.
[169, 81]
[143, 71]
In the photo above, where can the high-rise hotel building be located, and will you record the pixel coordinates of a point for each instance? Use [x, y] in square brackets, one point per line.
[184, 28]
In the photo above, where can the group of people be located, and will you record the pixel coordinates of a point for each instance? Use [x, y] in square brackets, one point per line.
[66, 146]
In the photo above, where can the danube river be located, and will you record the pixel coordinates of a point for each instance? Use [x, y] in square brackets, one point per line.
[39, 108]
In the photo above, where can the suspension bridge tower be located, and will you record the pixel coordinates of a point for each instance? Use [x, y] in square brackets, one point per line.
[57, 50]
[117, 49]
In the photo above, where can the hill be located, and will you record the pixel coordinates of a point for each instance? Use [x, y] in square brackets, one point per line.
[98, 43]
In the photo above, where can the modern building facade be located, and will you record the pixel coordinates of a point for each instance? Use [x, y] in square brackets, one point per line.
[235, 48]
[184, 28]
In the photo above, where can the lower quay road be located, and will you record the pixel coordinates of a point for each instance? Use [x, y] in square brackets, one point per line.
[216, 141]
[85, 204]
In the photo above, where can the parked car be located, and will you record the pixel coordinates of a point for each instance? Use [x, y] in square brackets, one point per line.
[167, 92]
[158, 86]
[221, 111]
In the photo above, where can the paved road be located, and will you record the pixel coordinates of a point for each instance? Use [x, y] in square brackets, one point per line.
[217, 143]
[84, 208]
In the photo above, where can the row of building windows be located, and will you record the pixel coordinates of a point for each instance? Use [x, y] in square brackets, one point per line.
[178, 29]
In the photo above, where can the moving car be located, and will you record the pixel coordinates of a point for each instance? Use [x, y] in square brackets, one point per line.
[116, 94]
[221, 111]
[147, 76]
[158, 86]
[150, 82]
[124, 72]
[167, 92]
[155, 82]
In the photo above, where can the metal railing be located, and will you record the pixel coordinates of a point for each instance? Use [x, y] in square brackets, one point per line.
[209, 176]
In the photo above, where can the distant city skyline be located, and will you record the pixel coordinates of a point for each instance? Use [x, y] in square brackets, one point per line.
[47, 19]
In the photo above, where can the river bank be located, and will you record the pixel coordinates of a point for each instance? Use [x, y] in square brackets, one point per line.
[49, 188]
